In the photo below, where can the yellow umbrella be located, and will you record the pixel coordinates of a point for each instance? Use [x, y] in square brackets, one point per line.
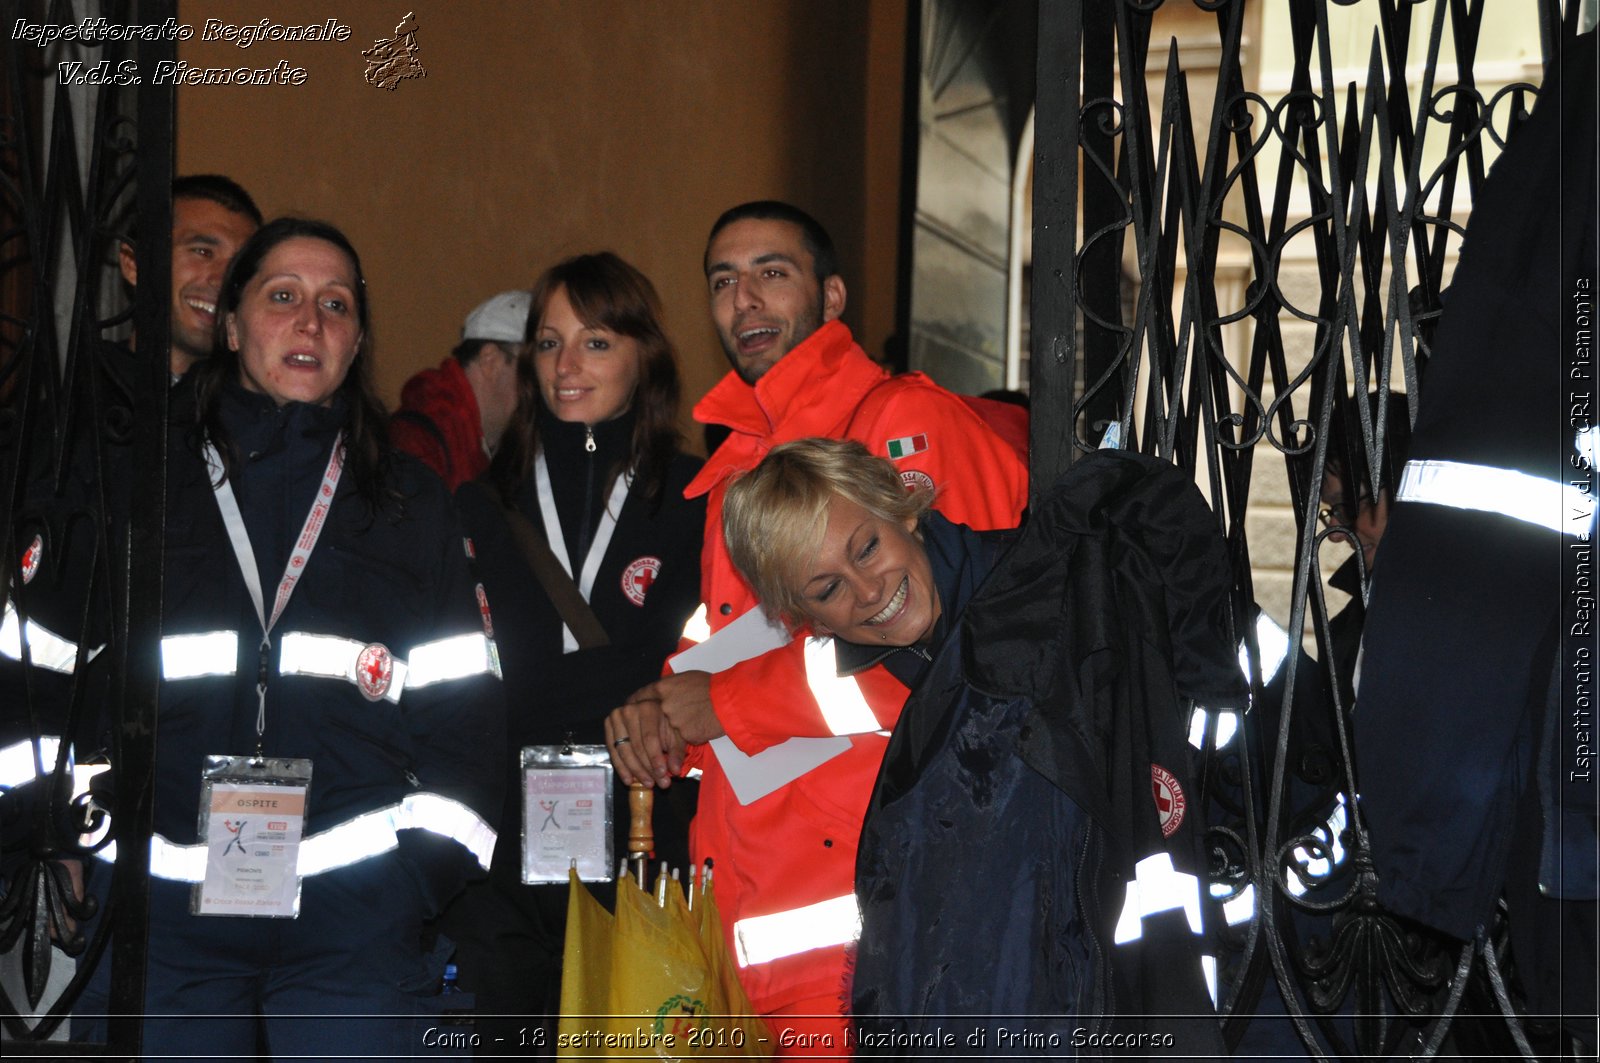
[654, 980]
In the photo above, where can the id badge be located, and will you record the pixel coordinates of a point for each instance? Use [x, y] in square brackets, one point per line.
[566, 813]
[252, 817]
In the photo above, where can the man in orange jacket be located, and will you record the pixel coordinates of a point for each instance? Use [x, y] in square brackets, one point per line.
[782, 831]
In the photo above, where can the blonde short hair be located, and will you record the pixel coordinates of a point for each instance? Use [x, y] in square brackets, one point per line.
[774, 516]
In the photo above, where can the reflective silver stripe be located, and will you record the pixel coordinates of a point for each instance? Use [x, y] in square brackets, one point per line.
[200, 654]
[1157, 886]
[764, 938]
[844, 710]
[1227, 725]
[351, 842]
[16, 760]
[1319, 867]
[1208, 968]
[1488, 489]
[377, 832]
[1237, 909]
[45, 648]
[456, 657]
[331, 657]
[1587, 441]
[1273, 642]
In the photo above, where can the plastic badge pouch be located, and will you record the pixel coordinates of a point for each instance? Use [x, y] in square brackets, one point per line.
[567, 814]
[252, 817]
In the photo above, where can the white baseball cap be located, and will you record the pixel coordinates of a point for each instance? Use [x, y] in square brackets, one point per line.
[502, 319]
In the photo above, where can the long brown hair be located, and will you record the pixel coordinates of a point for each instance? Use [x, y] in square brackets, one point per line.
[605, 292]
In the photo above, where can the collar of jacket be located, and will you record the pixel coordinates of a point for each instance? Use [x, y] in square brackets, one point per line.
[565, 441]
[813, 390]
[1347, 578]
[960, 559]
[257, 425]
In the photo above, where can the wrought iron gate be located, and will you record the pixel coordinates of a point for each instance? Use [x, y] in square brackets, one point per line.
[86, 138]
[1140, 350]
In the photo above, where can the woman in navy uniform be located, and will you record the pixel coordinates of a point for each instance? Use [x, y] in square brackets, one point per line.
[591, 464]
[318, 607]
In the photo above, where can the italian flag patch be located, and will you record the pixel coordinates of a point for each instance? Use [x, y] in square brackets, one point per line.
[906, 446]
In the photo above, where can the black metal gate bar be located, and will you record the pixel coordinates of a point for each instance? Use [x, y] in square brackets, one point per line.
[1054, 359]
[1380, 258]
[64, 410]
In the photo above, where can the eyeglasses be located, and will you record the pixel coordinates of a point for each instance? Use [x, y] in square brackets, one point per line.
[1337, 513]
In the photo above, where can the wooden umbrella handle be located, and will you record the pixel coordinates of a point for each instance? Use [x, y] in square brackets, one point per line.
[641, 809]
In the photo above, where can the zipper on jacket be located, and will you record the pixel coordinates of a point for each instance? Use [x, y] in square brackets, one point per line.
[585, 515]
[1100, 967]
[388, 752]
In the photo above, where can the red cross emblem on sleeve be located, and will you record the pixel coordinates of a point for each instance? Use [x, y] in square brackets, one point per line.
[1170, 802]
[31, 558]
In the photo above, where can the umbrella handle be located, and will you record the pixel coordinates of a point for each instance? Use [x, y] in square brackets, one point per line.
[641, 809]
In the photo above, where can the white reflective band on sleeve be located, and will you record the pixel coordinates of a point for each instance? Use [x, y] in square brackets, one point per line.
[1156, 887]
[1208, 968]
[1227, 722]
[1328, 832]
[764, 938]
[331, 657]
[45, 648]
[1239, 909]
[697, 628]
[1273, 642]
[351, 842]
[1588, 443]
[1522, 496]
[16, 760]
[456, 657]
[206, 653]
[844, 710]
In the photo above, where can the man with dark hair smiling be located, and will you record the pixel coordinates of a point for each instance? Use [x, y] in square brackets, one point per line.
[211, 218]
[784, 838]
[764, 314]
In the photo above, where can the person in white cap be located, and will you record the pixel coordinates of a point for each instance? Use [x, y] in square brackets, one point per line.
[452, 417]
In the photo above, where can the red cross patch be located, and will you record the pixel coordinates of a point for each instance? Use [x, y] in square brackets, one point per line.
[915, 478]
[638, 576]
[31, 558]
[1170, 802]
[374, 671]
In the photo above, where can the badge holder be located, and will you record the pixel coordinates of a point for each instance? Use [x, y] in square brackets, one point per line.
[566, 813]
[252, 817]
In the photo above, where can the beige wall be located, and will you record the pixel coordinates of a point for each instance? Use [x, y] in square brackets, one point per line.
[548, 128]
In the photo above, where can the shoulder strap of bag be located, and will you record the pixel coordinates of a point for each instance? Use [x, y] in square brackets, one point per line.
[576, 613]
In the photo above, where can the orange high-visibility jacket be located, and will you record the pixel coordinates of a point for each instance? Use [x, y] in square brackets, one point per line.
[785, 863]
